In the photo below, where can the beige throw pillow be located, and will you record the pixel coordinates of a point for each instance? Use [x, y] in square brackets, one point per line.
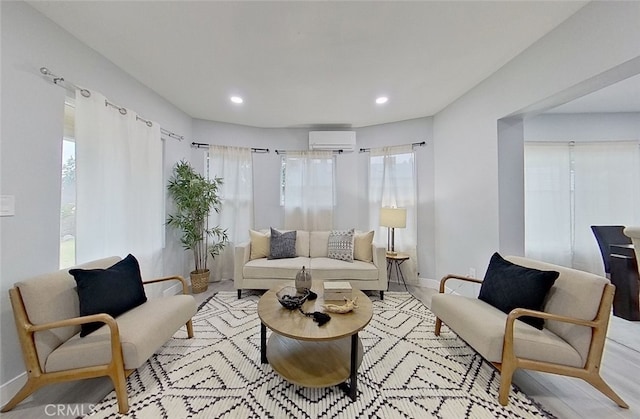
[260, 244]
[362, 246]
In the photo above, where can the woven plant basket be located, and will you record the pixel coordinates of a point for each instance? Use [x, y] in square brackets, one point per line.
[199, 281]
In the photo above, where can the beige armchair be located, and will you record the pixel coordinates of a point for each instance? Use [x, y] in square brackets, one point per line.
[576, 313]
[48, 322]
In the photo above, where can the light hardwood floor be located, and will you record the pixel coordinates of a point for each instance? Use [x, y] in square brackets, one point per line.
[568, 398]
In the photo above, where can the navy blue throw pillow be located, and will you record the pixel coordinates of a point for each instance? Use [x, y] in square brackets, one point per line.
[114, 290]
[507, 286]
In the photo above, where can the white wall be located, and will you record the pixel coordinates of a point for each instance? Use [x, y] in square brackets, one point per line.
[468, 219]
[351, 172]
[32, 118]
[583, 127]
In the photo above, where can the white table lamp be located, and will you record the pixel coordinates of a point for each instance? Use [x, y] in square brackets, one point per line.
[392, 218]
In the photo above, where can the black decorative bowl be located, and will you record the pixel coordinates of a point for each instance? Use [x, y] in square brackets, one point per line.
[291, 299]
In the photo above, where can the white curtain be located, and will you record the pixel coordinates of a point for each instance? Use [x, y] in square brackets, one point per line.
[119, 204]
[309, 190]
[393, 183]
[548, 202]
[571, 186]
[235, 166]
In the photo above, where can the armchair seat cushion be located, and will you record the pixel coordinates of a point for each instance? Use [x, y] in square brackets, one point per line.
[143, 330]
[482, 327]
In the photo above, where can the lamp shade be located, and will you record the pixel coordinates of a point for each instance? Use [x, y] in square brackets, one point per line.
[393, 217]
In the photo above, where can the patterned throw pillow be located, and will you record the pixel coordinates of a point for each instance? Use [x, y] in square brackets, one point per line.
[340, 245]
[283, 245]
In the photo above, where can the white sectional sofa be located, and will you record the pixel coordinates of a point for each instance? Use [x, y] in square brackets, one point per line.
[366, 272]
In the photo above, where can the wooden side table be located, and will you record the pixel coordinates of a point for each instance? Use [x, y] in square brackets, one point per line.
[393, 263]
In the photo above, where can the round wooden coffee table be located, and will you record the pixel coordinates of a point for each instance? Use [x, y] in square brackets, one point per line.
[309, 355]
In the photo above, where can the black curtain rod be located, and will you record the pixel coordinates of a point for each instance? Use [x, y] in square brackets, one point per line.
[333, 151]
[253, 149]
[420, 144]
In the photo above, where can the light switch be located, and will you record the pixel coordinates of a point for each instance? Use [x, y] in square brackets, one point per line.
[7, 205]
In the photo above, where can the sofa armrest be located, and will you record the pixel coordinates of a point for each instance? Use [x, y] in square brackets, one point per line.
[508, 354]
[185, 287]
[458, 277]
[116, 349]
[242, 252]
[519, 312]
[380, 261]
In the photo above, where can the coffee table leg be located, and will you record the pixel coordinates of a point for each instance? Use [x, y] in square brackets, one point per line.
[351, 388]
[263, 343]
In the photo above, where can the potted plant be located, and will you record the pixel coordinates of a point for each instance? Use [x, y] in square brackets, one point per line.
[195, 197]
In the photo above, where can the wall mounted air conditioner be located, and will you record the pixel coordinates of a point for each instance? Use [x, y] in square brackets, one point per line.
[332, 140]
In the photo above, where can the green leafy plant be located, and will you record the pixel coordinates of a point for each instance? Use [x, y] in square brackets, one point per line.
[195, 197]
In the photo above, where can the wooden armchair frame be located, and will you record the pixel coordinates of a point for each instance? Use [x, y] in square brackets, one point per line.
[510, 362]
[36, 378]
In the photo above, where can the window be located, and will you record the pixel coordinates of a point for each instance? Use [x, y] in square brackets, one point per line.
[571, 186]
[307, 190]
[68, 189]
[393, 183]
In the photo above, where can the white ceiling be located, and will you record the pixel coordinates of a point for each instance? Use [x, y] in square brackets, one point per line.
[309, 63]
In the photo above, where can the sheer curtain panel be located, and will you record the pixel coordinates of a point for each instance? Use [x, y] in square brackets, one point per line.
[571, 186]
[309, 190]
[548, 203]
[119, 205]
[392, 183]
[235, 166]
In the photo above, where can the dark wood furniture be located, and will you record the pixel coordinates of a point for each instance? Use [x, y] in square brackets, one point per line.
[624, 275]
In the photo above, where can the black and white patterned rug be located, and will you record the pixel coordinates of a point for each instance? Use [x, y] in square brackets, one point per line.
[407, 372]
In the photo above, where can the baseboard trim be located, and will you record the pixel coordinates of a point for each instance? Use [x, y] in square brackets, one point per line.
[428, 283]
[11, 387]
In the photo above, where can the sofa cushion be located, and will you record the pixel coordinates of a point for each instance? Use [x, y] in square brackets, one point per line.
[283, 244]
[362, 246]
[333, 269]
[143, 331]
[318, 241]
[340, 245]
[507, 286]
[302, 243]
[482, 326]
[113, 290]
[274, 268]
[260, 244]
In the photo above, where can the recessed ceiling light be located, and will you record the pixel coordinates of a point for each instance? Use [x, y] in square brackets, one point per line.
[381, 100]
[236, 99]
